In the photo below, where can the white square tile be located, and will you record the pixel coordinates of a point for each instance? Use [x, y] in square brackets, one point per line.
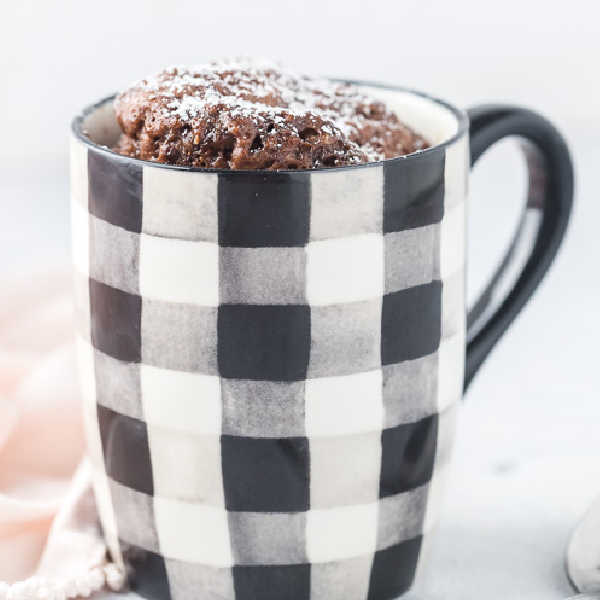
[180, 400]
[79, 173]
[453, 304]
[341, 532]
[345, 269]
[106, 513]
[86, 372]
[451, 357]
[193, 533]
[435, 498]
[447, 422]
[81, 305]
[345, 404]
[87, 385]
[180, 205]
[452, 241]
[179, 270]
[80, 238]
[456, 172]
[186, 466]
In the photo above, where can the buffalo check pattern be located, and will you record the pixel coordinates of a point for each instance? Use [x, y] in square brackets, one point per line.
[270, 367]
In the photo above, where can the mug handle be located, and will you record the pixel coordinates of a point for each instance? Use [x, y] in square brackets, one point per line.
[546, 213]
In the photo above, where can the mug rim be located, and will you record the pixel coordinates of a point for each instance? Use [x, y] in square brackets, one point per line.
[460, 115]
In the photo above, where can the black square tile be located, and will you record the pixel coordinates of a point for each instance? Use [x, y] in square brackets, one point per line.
[413, 191]
[257, 211]
[263, 342]
[411, 323]
[115, 321]
[407, 456]
[273, 582]
[394, 570]
[115, 190]
[265, 475]
[125, 449]
[148, 574]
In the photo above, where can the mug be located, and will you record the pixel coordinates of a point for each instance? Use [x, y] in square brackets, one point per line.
[272, 361]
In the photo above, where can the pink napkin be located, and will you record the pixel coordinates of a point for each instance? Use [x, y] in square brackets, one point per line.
[48, 520]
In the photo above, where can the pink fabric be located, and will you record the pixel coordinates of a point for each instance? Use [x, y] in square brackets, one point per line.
[47, 516]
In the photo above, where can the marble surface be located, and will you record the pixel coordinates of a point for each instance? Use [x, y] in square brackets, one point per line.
[527, 459]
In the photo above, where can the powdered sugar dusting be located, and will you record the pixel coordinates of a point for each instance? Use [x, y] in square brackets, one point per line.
[273, 102]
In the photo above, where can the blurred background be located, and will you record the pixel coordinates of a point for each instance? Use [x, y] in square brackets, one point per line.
[528, 455]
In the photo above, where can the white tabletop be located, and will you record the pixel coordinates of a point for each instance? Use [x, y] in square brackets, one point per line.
[527, 460]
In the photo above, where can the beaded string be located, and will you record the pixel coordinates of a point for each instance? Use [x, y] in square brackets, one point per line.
[78, 586]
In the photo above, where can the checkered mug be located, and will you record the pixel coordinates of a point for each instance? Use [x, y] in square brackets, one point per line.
[271, 362]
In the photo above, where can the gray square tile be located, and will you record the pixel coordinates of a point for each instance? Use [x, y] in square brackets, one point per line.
[118, 385]
[345, 203]
[345, 338]
[349, 578]
[410, 390]
[114, 255]
[135, 516]
[401, 517]
[411, 257]
[262, 275]
[192, 581]
[263, 408]
[179, 336]
[180, 205]
[268, 538]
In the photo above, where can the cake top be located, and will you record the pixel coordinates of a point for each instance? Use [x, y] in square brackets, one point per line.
[246, 114]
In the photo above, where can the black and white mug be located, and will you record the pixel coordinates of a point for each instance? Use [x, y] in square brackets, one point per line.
[272, 361]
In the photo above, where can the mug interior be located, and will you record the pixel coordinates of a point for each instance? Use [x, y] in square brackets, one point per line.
[436, 120]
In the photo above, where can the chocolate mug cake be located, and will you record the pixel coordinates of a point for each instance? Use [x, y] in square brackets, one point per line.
[245, 115]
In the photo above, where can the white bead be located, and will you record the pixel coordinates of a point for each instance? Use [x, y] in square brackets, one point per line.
[83, 585]
[71, 589]
[96, 579]
[115, 577]
[52, 593]
[18, 591]
[59, 594]
[43, 593]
